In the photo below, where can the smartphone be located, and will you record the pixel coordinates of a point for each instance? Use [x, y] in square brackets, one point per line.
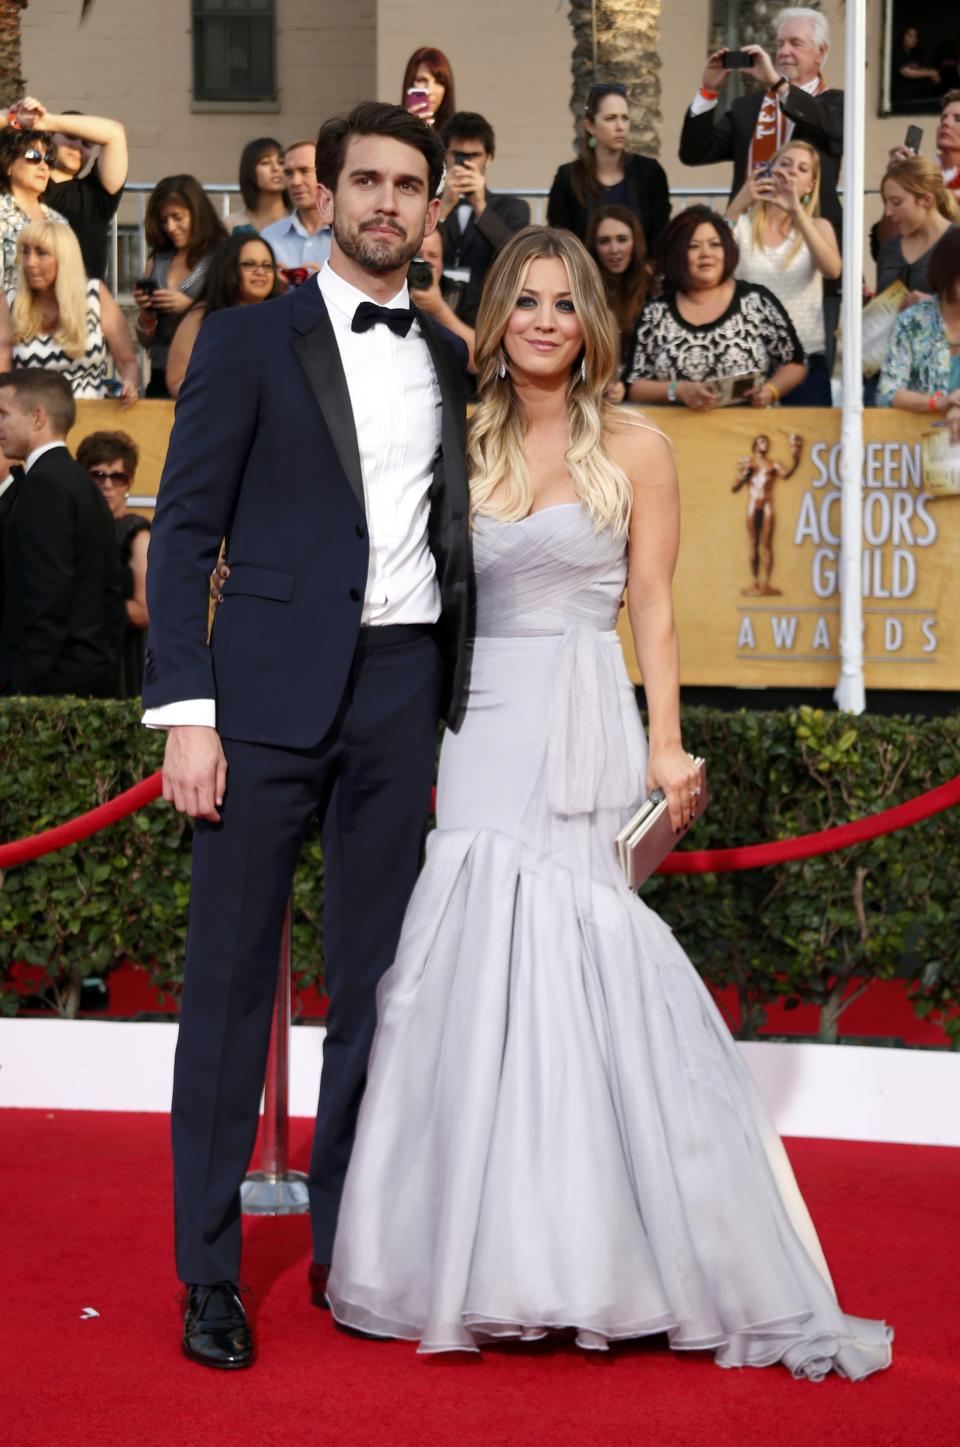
[296, 275]
[460, 158]
[737, 60]
[112, 387]
[764, 169]
[417, 100]
[913, 139]
[148, 284]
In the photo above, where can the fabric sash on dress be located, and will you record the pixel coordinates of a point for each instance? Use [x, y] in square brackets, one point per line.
[588, 758]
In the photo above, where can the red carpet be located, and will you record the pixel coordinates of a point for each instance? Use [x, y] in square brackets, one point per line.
[87, 1205]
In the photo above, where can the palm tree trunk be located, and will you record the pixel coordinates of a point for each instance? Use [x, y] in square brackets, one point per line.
[11, 53]
[618, 40]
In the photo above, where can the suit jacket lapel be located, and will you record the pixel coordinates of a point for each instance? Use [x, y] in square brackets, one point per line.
[316, 347]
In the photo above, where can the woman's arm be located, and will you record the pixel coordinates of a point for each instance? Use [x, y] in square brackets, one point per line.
[934, 404]
[110, 136]
[137, 604]
[181, 349]
[6, 336]
[117, 337]
[653, 545]
[821, 242]
[784, 380]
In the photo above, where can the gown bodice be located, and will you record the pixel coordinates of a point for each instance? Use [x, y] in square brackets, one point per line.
[548, 573]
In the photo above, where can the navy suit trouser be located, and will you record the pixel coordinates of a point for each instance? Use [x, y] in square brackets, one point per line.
[369, 780]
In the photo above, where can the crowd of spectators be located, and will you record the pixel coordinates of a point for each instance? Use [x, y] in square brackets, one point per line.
[706, 309]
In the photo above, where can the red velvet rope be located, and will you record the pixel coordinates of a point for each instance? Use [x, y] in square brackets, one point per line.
[703, 861]
[825, 841]
[22, 850]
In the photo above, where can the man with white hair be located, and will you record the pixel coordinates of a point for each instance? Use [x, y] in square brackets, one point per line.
[793, 104]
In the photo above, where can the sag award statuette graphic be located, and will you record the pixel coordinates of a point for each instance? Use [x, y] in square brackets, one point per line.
[759, 474]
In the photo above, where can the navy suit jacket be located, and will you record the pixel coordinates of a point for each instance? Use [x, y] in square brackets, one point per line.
[264, 453]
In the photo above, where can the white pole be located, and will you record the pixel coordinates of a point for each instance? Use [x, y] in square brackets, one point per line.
[849, 693]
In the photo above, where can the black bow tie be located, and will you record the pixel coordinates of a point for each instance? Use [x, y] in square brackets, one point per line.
[367, 314]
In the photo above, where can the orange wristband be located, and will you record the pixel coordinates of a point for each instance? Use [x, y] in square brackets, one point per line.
[709, 94]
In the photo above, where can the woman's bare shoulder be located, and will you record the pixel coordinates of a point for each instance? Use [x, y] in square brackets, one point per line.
[634, 442]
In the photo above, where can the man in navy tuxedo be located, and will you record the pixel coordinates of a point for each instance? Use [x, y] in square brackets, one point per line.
[322, 435]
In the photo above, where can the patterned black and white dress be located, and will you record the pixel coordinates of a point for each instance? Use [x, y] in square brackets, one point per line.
[754, 334]
[85, 373]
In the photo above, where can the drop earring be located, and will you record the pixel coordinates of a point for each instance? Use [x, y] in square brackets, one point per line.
[583, 369]
[502, 369]
[592, 142]
[805, 200]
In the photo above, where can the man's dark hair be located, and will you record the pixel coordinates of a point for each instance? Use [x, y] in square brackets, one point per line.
[51, 391]
[252, 153]
[221, 284]
[206, 228]
[950, 98]
[468, 126]
[100, 447]
[14, 143]
[943, 268]
[376, 118]
[675, 243]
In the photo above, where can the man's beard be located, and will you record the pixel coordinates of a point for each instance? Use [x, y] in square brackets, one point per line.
[375, 253]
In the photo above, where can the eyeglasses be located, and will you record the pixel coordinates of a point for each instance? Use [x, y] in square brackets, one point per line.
[257, 266]
[109, 479]
[35, 157]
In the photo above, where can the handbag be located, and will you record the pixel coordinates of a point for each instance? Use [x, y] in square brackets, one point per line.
[647, 838]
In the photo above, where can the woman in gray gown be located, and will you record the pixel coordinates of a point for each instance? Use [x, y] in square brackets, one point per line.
[558, 1131]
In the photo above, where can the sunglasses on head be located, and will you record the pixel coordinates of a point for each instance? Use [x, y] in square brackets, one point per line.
[611, 88]
[115, 479]
[35, 156]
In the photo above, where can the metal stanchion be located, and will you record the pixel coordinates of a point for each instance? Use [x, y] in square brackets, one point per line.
[275, 1190]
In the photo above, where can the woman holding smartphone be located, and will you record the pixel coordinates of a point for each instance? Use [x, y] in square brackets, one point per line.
[428, 89]
[788, 247]
[182, 231]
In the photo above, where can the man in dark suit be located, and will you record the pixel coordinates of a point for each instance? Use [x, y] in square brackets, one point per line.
[474, 222]
[11, 476]
[62, 608]
[322, 434]
[794, 103]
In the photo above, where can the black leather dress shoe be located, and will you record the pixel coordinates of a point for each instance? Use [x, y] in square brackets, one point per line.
[216, 1332]
[317, 1277]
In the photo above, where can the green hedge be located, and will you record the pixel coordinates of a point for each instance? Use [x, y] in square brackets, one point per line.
[798, 932]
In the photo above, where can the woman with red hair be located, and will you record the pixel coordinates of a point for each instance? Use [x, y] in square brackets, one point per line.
[429, 73]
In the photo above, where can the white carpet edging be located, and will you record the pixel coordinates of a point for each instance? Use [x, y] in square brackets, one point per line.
[841, 1092]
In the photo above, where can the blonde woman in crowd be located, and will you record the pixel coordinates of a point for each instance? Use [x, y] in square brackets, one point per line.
[788, 247]
[558, 1132]
[58, 319]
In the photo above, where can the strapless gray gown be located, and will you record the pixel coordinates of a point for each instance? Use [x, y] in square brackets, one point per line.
[558, 1130]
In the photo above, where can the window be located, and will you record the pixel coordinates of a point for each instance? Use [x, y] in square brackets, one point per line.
[233, 50]
[921, 51]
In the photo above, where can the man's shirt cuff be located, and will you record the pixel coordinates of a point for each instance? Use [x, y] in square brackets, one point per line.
[700, 105]
[200, 712]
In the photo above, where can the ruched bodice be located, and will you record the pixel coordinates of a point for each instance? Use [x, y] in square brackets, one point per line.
[547, 573]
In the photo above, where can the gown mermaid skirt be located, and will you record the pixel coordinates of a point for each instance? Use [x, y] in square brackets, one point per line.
[558, 1130]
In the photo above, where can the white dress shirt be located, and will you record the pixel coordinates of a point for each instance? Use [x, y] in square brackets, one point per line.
[7, 482]
[396, 404]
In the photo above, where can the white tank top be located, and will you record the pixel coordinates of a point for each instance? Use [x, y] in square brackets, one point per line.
[796, 284]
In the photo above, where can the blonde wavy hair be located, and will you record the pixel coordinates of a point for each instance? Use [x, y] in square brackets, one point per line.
[921, 177]
[70, 289]
[764, 211]
[500, 482]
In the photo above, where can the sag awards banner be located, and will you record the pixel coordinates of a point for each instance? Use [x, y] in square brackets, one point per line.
[756, 594]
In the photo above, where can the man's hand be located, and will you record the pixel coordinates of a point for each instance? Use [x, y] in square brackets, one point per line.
[194, 771]
[716, 74]
[763, 68]
[470, 185]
